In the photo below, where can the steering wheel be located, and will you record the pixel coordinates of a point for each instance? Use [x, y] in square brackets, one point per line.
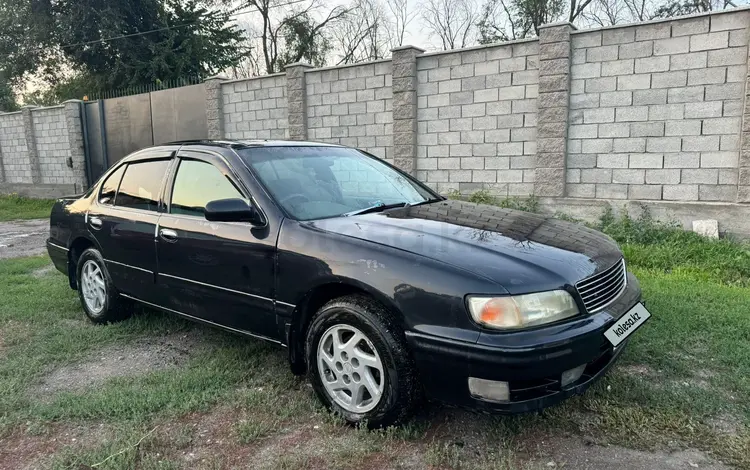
[283, 200]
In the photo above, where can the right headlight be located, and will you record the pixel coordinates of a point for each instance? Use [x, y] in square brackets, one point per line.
[522, 311]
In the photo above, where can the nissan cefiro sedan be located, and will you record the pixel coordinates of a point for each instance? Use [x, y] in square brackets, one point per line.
[381, 290]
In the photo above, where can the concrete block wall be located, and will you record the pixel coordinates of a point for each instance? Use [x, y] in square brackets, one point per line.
[352, 106]
[14, 153]
[476, 118]
[651, 113]
[53, 146]
[255, 108]
[656, 110]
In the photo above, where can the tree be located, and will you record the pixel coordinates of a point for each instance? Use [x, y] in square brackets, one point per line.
[502, 20]
[688, 7]
[303, 41]
[7, 97]
[278, 23]
[362, 34]
[134, 42]
[451, 21]
[401, 17]
[23, 27]
[608, 12]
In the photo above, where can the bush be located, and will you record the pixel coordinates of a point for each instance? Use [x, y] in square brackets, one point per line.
[665, 246]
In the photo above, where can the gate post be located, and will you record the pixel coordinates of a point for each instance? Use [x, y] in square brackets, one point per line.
[74, 128]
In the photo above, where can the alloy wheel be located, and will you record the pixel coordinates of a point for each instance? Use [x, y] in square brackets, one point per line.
[93, 287]
[350, 368]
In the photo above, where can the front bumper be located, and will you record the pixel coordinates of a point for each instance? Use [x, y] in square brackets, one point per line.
[532, 362]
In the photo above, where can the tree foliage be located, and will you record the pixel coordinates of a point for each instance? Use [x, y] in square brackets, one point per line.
[502, 20]
[303, 42]
[154, 40]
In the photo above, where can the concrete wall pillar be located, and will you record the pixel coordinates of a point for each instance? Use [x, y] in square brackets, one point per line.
[214, 107]
[28, 128]
[553, 109]
[74, 128]
[743, 181]
[2, 169]
[404, 87]
[296, 94]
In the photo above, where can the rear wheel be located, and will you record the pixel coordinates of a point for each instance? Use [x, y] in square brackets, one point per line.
[358, 363]
[100, 300]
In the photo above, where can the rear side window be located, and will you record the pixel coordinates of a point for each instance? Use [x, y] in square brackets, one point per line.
[141, 185]
[198, 183]
[110, 185]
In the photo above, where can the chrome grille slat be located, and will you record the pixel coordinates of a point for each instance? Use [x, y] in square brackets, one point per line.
[605, 297]
[595, 290]
[596, 277]
[603, 288]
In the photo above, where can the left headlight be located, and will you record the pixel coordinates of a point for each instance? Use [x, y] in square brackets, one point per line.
[522, 311]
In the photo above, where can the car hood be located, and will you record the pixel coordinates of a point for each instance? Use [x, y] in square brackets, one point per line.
[521, 251]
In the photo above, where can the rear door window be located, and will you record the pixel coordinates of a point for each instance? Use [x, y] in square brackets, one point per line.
[109, 187]
[141, 185]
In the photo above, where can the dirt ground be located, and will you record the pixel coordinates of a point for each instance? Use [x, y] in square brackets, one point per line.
[197, 439]
[140, 357]
[23, 238]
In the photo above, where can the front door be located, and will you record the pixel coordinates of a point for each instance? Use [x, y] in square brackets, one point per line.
[222, 272]
[123, 223]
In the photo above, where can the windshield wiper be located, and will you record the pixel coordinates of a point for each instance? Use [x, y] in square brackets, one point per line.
[376, 208]
[428, 201]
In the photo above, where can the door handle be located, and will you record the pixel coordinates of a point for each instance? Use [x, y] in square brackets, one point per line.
[168, 235]
[95, 222]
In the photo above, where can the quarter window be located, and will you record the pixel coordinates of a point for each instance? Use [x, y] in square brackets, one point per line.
[198, 183]
[110, 185]
[141, 185]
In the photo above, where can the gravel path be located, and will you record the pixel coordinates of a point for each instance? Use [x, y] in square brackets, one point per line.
[23, 238]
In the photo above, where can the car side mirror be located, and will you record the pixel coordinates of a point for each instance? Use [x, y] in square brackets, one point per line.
[233, 210]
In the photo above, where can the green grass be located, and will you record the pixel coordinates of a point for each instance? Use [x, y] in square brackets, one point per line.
[686, 368]
[15, 207]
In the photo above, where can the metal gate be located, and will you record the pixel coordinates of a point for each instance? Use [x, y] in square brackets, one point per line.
[116, 127]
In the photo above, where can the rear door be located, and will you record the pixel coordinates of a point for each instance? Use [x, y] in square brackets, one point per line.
[222, 272]
[123, 222]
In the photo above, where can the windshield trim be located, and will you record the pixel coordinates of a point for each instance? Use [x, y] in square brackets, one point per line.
[435, 197]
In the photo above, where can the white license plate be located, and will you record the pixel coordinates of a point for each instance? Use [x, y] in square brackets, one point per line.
[627, 324]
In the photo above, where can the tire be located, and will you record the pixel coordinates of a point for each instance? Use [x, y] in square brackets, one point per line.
[382, 340]
[100, 307]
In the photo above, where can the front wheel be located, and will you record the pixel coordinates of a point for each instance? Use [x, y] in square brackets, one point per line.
[359, 364]
[101, 301]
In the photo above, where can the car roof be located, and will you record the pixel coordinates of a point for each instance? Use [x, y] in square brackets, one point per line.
[226, 143]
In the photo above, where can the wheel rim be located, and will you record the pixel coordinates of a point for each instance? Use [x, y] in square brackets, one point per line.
[350, 368]
[93, 287]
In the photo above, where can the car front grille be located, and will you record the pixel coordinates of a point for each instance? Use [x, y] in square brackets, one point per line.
[603, 288]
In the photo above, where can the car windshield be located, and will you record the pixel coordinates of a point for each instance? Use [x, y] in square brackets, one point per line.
[320, 182]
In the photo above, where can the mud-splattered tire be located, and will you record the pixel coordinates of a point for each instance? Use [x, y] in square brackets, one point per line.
[100, 300]
[359, 364]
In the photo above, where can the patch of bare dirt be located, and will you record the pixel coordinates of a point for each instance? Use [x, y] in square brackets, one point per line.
[726, 424]
[25, 450]
[43, 271]
[23, 238]
[575, 453]
[637, 370]
[140, 357]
